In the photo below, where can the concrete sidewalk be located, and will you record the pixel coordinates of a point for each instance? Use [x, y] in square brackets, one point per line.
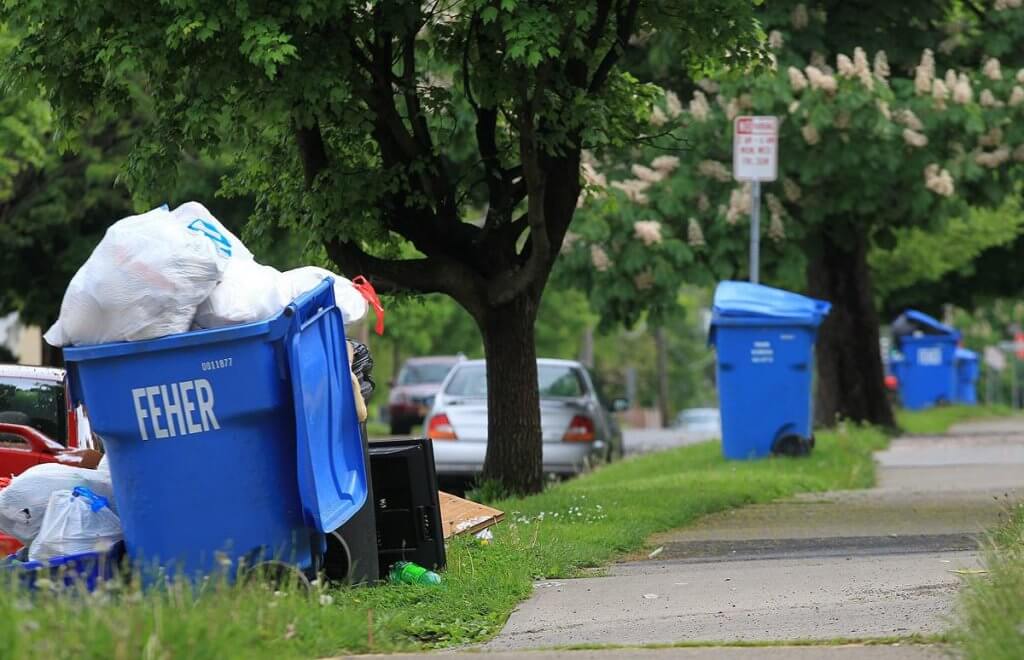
[859, 564]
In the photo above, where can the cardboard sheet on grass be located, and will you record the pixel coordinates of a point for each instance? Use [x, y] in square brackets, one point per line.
[459, 516]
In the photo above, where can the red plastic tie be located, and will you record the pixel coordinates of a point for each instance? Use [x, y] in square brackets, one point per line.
[364, 287]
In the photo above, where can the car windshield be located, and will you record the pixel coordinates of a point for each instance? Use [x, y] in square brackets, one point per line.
[555, 382]
[427, 372]
[35, 403]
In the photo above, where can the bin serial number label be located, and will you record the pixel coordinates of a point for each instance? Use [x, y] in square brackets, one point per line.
[762, 353]
[210, 365]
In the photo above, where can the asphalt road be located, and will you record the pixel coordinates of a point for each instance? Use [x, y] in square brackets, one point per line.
[642, 441]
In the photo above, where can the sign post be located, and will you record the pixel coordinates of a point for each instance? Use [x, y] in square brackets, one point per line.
[755, 158]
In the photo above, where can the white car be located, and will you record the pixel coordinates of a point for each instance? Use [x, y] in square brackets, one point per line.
[577, 427]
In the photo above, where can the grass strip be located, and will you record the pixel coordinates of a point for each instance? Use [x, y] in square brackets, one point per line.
[573, 526]
[992, 604]
[935, 421]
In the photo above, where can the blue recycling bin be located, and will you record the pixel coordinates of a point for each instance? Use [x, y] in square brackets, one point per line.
[229, 447]
[764, 339]
[928, 375]
[967, 376]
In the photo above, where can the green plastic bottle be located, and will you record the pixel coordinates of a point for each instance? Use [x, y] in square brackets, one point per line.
[409, 573]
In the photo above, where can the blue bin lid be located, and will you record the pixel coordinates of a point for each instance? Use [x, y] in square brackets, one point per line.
[966, 354]
[930, 324]
[747, 300]
[332, 472]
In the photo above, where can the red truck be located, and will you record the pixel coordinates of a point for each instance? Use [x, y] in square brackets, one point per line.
[37, 422]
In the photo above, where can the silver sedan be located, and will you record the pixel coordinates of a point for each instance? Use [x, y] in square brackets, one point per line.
[578, 429]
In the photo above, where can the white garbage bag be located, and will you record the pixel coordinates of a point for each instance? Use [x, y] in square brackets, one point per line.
[146, 277]
[250, 292]
[247, 292]
[352, 304]
[76, 521]
[23, 503]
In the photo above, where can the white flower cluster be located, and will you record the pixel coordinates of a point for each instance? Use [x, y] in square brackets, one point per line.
[821, 80]
[915, 139]
[906, 117]
[599, 258]
[665, 164]
[1003, 5]
[699, 106]
[858, 67]
[713, 169]
[962, 92]
[791, 190]
[672, 104]
[924, 73]
[992, 70]
[811, 135]
[938, 180]
[645, 173]
[647, 231]
[775, 40]
[993, 159]
[799, 18]
[993, 138]
[881, 69]
[635, 189]
[776, 229]
[1018, 153]
[658, 117]
[1016, 96]
[797, 80]
[694, 234]
[739, 204]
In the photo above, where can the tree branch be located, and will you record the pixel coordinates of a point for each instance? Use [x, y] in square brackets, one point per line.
[625, 19]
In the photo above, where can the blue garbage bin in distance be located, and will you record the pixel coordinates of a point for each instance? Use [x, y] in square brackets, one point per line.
[967, 376]
[764, 339]
[228, 446]
[928, 375]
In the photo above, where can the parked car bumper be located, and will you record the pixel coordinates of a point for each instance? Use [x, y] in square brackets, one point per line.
[460, 458]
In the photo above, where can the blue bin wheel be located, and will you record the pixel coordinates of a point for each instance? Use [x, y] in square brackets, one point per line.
[793, 445]
[337, 559]
[278, 575]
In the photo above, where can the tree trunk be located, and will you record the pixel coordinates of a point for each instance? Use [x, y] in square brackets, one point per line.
[661, 366]
[513, 402]
[850, 376]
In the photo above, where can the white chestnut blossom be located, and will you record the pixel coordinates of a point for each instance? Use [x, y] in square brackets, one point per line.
[992, 70]
[699, 106]
[791, 190]
[993, 159]
[599, 259]
[798, 18]
[881, 69]
[1016, 96]
[797, 80]
[665, 164]
[694, 234]
[915, 139]
[924, 73]
[647, 231]
[810, 134]
[672, 104]
[713, 169]
[939, 181]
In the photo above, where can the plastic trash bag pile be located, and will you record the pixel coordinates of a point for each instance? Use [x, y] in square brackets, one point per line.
[166, 272]
[56, 510]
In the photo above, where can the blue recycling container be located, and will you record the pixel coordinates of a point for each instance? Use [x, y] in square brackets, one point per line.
[928, 375]
[228, 446]
[764, 339]
[967, 376]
